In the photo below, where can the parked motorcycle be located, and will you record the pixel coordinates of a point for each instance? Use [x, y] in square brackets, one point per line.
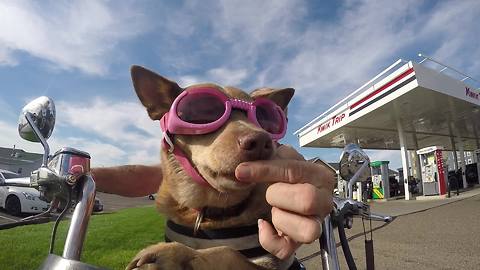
[65, 177]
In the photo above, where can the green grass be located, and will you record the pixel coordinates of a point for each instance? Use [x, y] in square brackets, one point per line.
[112, 239]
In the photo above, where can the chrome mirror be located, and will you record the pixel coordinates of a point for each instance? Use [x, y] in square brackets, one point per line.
[353, 166]
[42, 113]
[36, 122]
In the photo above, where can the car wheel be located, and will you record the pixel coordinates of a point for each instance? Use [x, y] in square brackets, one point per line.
[151, 197]
[13, 205]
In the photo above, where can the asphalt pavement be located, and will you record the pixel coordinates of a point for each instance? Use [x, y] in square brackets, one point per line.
[427, 234]
[6, 218]
[113, 202]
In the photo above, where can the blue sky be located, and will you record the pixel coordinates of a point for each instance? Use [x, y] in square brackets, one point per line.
[79, 53]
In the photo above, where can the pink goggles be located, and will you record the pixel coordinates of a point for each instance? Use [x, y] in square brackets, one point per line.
[205, 109]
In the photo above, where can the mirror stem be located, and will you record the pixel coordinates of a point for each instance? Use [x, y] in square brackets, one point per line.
[44, 143]
[355, 179]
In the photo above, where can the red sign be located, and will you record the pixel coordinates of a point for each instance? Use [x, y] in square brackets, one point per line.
[441, 175]
[330, 123]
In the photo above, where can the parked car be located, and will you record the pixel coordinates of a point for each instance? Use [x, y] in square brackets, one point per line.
[98, 205]
[17, 200]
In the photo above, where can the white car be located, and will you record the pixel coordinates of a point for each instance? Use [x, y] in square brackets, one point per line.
[18, 200]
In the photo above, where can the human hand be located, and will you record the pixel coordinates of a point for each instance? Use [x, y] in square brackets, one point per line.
[300, 196]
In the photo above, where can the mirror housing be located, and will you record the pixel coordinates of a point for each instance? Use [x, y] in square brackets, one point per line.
[42, 113]
[36, 123]
[353, 167]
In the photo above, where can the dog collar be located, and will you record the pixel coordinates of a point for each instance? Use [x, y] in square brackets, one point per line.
[244, 239]
[217, 213]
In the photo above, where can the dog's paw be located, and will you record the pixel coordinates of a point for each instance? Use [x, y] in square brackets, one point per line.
[163, 256]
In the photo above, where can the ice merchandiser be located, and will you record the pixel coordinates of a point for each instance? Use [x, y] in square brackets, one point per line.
[380, 181]
[434, 171]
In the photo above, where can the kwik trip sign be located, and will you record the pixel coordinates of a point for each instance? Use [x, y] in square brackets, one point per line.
[330, 123]
[471, 94]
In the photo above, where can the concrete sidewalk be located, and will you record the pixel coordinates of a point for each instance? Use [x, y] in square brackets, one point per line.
[396, 208]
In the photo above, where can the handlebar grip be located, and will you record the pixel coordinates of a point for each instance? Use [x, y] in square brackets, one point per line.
[379, 217]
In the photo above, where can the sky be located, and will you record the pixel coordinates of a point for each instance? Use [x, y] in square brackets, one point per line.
[79, 53]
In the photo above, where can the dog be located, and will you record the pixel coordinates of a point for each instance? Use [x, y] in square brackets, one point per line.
[209, 130]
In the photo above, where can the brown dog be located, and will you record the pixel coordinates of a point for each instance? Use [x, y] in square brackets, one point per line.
[212, 225]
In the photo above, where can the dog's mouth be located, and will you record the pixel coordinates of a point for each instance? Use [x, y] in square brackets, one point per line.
[224, 181]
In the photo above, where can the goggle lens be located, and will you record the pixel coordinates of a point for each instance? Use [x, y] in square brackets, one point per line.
[269, 118]
[200, 108]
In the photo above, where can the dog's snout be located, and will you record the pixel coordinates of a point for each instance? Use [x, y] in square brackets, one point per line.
[255, 146]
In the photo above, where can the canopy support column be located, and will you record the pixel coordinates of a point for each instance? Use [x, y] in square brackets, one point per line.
[464, 166]
[418, 171]
[455, 158]
[404, 154]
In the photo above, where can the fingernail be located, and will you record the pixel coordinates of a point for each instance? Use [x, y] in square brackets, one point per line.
[242, 172]
[260, 222]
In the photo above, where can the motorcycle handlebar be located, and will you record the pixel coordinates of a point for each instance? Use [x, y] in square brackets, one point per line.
[379, 217]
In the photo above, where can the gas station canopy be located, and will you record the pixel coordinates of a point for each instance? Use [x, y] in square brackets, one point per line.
[428, 106]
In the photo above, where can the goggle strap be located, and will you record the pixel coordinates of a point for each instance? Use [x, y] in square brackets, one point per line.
[168, 141]
[188, 168]
[166, 138]
[179, 154]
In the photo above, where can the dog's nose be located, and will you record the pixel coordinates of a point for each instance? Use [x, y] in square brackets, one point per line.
[256, 146]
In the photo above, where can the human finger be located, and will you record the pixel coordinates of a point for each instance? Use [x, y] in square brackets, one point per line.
[304, 199]
[287, 152]
[281, 246]
[288, 171]
[303, 229]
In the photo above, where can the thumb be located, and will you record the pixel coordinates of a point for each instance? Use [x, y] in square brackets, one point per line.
[278, 244]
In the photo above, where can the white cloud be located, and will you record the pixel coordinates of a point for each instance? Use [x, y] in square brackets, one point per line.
[227, 76]
[252, 23]
[75, 34]
[144, 156]
[6, 57]
[188, 80]
[221, 76]
[125, 122]
[121, 132]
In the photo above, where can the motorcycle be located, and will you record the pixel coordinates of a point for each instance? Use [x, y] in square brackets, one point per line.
[65, 177]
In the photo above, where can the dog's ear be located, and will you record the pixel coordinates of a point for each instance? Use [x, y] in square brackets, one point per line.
[154, 91]
[280, 96]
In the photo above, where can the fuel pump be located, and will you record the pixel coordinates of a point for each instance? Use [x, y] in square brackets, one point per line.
[434, 172]
[381, 185]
